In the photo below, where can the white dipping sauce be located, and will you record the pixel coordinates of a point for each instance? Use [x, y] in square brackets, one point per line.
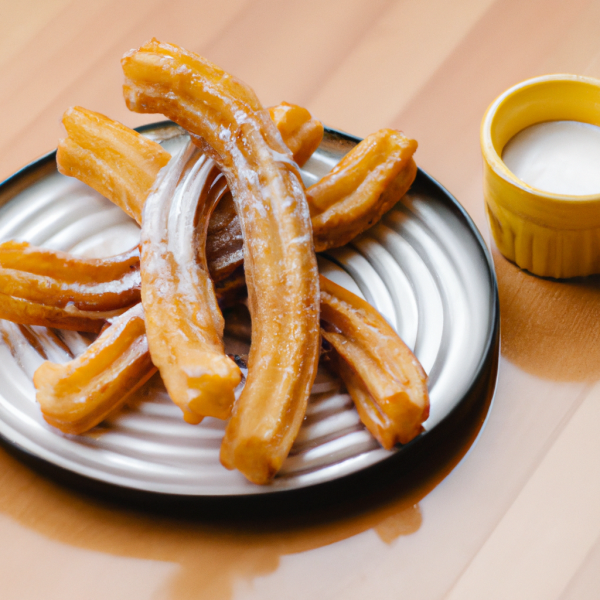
[561, 157]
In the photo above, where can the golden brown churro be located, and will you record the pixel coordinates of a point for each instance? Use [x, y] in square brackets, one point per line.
[121, 292]
[66, 267]
[384, 378]
[183, 322]
[55, 289]
[279, 259]
[79, 394]
[361, 188]
[116, 161]
[300, 132]
[26, 312]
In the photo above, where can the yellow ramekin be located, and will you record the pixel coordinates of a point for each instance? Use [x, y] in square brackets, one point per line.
[552, 235]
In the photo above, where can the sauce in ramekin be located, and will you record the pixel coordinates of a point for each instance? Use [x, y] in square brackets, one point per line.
[560, 157]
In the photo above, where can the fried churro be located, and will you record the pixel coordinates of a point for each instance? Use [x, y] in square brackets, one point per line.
[77, 395]
[279, 260]
[361, 188]
[116, 161]
[300, 132]
[183, 322]
[55, 289]
[384, 378]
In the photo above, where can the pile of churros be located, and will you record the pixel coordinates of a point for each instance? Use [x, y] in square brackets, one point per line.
[225, 217]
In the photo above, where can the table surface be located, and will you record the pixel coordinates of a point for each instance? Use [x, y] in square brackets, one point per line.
[512, 515]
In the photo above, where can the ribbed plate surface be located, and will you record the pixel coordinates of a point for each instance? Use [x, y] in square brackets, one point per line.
[423, 267]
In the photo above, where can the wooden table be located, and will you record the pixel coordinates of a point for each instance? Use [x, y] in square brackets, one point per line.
[517, 516]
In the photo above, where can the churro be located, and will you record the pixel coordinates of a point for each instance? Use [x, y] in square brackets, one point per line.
[279, 259]
[116, 161]
[55, 289]
[183, 322]
[114, 294]
[300, 132]
[384, 378]
[361, 188]
[79, 394]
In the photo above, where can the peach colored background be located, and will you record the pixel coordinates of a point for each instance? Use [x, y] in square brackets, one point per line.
[515, 517]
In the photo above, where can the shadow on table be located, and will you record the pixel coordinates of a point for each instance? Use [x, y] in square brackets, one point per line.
[550, 328]
[220, 541]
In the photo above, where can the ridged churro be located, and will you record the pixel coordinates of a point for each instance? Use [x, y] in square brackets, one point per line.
[279, 259]
[300, 132]
[79, 394]
[183, 322]
[383, 376]
[116, 161]
[55, 289]
[361, 188]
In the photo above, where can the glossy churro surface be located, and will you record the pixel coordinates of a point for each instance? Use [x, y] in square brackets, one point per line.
[383, 377]
[361, 188]
[79, 394]
[279, 258]
[183, 322]
[119, 163]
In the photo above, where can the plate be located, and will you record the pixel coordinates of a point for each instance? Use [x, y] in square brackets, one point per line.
[424, 267]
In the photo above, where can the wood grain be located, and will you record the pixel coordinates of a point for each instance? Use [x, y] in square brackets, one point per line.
[514, 517]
